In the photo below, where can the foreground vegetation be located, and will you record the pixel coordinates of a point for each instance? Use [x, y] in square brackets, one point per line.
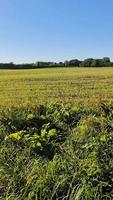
[23, 88]
[57, 152]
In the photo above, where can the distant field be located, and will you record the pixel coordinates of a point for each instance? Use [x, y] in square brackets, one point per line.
[67, 85]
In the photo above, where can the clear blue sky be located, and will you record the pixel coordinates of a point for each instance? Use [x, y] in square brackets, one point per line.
[55, 30]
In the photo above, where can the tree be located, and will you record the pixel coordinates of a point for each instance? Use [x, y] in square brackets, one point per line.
[74, 62]
[87, 62]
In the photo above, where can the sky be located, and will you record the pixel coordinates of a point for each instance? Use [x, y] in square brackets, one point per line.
[55, 30]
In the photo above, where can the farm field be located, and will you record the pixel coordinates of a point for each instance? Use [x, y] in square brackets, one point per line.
[56, 134]
[66, 85]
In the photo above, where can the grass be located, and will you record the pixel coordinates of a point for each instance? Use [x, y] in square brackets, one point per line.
[74, 160]
[66, 85]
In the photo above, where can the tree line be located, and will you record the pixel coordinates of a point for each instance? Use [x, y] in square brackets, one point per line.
[89, 62]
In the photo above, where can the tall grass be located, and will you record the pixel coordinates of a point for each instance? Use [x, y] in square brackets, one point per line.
[57, 152]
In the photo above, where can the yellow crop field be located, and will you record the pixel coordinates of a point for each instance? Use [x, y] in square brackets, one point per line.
[66, 85]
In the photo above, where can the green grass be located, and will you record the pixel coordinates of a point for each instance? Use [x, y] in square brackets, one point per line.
[57, 152]
[67, 85]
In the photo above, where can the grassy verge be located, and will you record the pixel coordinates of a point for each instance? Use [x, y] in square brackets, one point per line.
[57, 152]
